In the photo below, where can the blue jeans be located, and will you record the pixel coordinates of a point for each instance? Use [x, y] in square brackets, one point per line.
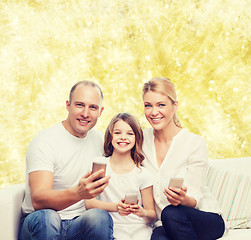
[94, 224]
[186, 223]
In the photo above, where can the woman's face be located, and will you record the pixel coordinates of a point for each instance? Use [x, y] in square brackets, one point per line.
[159, 110]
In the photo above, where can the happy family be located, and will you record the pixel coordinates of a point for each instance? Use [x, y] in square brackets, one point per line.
[152, 184]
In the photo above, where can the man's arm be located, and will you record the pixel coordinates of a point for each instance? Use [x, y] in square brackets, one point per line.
[43, 196]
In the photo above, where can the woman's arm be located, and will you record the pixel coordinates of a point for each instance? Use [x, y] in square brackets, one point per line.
[147, 212]
[194, 179]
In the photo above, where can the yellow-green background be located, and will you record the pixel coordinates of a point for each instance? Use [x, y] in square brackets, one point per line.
[47, 45]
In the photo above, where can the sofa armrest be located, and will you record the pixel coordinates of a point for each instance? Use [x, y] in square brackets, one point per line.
[230, 182]
[11, 199]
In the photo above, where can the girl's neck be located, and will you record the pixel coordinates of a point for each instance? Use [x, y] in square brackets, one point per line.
[121, 163]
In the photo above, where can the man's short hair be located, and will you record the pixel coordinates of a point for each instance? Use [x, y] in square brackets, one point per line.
[86, 83]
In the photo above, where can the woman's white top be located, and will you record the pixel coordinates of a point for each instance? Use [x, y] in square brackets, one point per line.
[186, 158]
[129, 227]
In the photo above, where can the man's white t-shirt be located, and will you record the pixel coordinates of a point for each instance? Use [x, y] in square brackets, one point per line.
[67, 157]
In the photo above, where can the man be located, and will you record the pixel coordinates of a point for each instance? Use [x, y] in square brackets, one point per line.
[58, 177]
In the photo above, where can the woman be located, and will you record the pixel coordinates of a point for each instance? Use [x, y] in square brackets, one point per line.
[171, 151]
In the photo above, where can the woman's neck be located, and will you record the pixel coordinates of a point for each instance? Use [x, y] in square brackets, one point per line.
[167, 134]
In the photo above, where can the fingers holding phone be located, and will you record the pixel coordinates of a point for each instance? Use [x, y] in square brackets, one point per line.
[94, 182]
[175, 192]
[87, 188]
[123, 208]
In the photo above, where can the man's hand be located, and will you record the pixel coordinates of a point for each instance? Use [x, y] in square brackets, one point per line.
[88, 188]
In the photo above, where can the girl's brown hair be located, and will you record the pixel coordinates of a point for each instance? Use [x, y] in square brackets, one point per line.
[165, 87]
[136, 151]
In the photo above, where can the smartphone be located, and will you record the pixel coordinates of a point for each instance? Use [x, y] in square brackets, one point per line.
[131, 198]
[176, 182]
[98, 166]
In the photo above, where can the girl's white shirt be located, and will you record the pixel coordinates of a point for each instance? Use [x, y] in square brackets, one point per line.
[131, 226]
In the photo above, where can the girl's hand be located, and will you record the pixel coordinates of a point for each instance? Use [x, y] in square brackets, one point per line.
[138, 210]
[175, 195]
[123, 208]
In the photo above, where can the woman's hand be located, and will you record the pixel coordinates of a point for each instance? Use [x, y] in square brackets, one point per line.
[123, 208]
[175, 195]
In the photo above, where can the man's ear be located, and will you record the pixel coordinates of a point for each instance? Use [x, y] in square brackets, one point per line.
[67, 105]
[101, 111]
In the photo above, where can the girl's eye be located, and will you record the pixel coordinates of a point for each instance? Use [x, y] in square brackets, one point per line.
[131, 134]
[162, 105]
[116, 132]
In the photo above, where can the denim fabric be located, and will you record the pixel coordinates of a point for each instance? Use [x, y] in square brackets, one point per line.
[185, 223]
[94, 224]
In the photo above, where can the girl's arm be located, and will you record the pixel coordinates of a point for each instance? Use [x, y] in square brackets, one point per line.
[95, 203]
[147, 212]
[122, 208]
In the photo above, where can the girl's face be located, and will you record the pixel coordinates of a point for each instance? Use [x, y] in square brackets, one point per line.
[123, 137]
[159, 110]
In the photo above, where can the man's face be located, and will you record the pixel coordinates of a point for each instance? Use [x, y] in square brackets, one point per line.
[83, 111]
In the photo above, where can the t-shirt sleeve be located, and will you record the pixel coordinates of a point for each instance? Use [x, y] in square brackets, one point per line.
[39, 156]
[146, 178]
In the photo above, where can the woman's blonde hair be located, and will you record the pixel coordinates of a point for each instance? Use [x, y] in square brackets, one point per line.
[165, 87]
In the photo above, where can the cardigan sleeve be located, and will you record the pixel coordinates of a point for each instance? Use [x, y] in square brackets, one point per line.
[197, 164]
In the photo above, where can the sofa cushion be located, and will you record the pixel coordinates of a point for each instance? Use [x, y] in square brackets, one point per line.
[237, 234]
[230, 181]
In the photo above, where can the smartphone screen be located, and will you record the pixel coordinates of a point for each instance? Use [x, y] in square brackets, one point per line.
[176, 182]
[131, 198]
[98, 166]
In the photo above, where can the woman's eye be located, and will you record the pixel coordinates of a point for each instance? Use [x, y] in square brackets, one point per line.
[147, 105]
[162, 105]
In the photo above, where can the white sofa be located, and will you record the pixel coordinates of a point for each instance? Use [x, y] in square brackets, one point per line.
[228, 179]
[230, 182]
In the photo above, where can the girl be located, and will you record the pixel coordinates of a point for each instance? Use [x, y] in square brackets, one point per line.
[123, 144]
[171, 151]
